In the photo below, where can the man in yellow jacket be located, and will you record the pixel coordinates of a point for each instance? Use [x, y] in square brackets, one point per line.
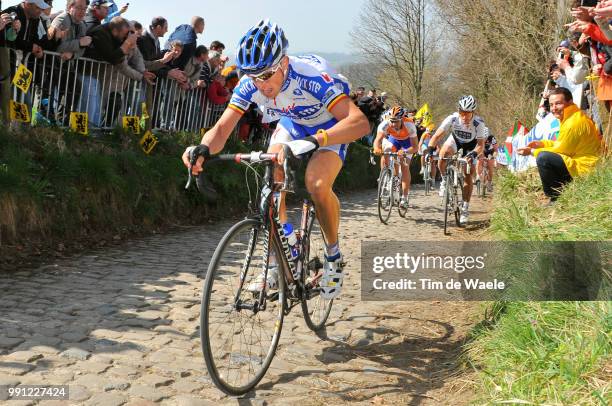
[576, 151]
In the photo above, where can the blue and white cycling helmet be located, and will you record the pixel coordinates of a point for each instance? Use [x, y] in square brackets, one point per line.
[262, 47]
[467, 103]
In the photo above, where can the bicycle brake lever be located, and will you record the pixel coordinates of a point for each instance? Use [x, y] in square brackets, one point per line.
[189, 179]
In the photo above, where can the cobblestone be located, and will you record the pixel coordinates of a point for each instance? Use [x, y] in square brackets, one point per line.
[129, 333]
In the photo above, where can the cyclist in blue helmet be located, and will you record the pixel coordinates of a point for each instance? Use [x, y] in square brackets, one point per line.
[311, 102]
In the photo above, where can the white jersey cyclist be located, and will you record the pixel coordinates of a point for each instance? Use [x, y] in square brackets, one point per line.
[462, 135]
[312, 88]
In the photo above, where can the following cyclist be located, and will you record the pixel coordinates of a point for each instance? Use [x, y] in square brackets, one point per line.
[316, 117]
[398, 134]
[423, 148]
[487, 158]
[467, 133]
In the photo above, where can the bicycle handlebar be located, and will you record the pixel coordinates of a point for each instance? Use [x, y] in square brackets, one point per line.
[204, 185]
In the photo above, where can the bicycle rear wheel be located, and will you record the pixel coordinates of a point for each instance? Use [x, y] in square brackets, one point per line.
[316, 309]
[485, 174]
[385, 195]
[239, 340]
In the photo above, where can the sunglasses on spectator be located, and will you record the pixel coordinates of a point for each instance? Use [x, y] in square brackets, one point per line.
[262, 77]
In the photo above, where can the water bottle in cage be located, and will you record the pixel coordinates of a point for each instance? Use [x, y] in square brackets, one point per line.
[292, 240]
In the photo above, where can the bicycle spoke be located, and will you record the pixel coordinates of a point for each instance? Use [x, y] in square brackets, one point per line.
[237, 334]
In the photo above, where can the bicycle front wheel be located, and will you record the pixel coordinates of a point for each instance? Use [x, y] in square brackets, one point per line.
[316, 309]
[447, 204]
[239, 335]
[427, 178]
[385, 195]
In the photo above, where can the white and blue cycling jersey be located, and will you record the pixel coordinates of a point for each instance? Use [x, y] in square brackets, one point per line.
[311, 90]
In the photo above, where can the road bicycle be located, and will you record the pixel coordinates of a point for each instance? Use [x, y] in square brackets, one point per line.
[390, 188]
[240, 330]
[453, 193]
[481, 182]
[429, 181]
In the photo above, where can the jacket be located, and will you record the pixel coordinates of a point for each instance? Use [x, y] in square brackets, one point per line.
[188, 37]
[217, 93]
[28, 35]
[151, 55]
[76, 31]
[91, 21]
[192, 71]
[105, 47]
[578, 143]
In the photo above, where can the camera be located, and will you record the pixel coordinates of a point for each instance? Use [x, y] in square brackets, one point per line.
[13, 16]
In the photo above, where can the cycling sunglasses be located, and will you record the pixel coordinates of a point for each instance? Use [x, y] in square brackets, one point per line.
[262, 77]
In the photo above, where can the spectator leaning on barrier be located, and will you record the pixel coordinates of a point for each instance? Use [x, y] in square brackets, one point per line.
[188, 36]
[576, 150]
[194, 67]
[150, 48]
[111, 42]
[70, 24]
[27, 40]
[211, 67]
[98, 11]
[133, 66]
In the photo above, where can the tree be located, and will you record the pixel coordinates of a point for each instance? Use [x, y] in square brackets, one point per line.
[398, 35]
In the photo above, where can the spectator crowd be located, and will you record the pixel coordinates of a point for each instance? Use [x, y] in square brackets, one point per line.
[571, 96]
[100, 31]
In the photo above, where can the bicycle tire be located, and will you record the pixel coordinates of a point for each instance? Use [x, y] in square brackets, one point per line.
[402, 210]
[313, 255]
[217, 272]
[385, 185]
[427, 177]
[484, 186]
[457, 206]
[447, 201]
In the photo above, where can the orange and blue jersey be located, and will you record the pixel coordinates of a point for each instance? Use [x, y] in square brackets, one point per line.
[399, 138]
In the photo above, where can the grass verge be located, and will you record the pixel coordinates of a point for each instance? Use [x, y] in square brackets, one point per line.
[548, 353]
[56, 186]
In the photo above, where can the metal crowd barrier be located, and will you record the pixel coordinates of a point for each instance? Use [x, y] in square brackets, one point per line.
[99, 89]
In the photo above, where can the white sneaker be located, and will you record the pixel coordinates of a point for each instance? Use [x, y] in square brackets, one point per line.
[442, 187]
[271, 282]
[331, 281]
[465, 215]
[404, 202]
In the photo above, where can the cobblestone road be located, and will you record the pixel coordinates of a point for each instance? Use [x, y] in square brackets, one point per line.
[120, 326]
